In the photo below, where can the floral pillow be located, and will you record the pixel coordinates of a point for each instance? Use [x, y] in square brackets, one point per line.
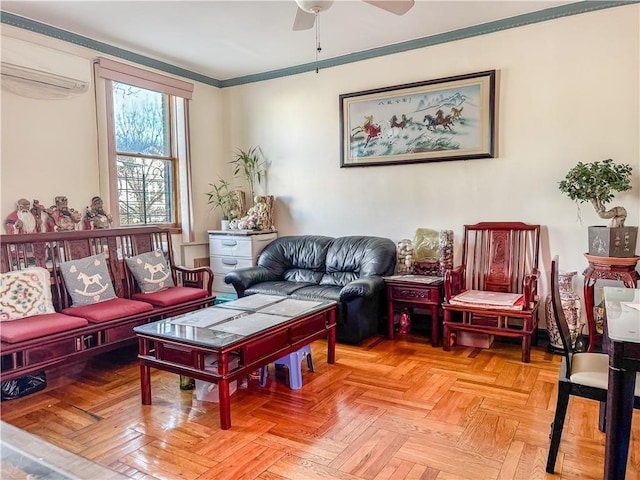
[151, 271]
[25, 293]
[87, 280]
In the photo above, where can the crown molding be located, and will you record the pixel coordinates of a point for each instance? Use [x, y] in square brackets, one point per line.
[477, 30]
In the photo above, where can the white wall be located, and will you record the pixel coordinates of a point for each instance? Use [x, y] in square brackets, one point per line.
[568, 91]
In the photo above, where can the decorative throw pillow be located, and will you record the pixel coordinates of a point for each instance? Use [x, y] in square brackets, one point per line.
[150, 271]
[87, 280]
[25, 293]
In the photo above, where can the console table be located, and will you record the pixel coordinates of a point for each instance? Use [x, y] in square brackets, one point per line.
[415, 291]
[605, 268]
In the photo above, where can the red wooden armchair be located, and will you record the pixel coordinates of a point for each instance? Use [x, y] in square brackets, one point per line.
[494, 290]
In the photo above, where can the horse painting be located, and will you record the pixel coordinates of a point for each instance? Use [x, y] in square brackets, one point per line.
[371, 129]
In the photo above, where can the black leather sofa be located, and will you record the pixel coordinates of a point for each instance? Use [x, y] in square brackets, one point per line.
[348, 270]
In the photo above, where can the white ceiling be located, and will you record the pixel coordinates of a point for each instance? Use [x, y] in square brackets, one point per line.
[230, 39]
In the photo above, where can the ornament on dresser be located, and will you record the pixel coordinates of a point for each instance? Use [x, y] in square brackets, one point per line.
[572, 310]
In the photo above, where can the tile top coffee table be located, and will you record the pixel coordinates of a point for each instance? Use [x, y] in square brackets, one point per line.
[416, 291]
[255, 330]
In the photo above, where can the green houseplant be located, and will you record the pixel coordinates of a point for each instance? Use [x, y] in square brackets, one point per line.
[251, 165]
[596, 183]
[222, 196]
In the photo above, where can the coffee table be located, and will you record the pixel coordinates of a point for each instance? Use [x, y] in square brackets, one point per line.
[255, 330]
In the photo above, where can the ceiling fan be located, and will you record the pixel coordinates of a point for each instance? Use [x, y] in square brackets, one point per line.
[308, 10]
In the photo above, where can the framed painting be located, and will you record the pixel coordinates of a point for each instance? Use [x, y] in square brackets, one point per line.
[445, 119]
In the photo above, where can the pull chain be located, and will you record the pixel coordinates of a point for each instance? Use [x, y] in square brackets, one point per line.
[318, 48]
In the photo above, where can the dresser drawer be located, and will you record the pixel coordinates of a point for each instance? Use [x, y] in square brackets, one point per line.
[225, 265]
[230, 246]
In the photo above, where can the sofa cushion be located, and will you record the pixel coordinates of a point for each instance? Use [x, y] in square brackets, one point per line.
[171, 296]
[151, 271]
[87, 280]
[280, 287]
[296, 258]
[349, 258]
[25, 293]
[39, 326]
[318, 292]
[109, 309]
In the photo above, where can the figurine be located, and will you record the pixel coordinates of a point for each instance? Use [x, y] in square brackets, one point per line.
[95, 217]
[61, 217]
[23, 220]
[36, 211]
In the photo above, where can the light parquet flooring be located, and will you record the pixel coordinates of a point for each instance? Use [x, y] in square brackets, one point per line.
[386, 410]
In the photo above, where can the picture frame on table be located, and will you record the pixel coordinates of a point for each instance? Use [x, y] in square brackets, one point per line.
[449, 118]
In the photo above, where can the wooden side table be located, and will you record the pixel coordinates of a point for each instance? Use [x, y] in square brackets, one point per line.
[605, 268]
[416, 291]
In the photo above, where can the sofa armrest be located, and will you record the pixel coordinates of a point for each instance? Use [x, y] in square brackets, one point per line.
[362, 287]
[530, 288]
[200, 277]
[243, 278]
[454, 281]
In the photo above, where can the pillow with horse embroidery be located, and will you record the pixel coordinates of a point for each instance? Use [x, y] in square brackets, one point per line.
[25, 293]
[87, 280]
[150, 271]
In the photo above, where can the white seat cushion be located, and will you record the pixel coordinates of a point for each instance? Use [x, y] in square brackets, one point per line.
[592, 370]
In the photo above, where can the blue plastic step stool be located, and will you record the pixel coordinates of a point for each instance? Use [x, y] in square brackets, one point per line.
[292, 361]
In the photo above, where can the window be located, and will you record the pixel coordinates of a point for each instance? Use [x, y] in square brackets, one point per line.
[147, 137]
[145, 165]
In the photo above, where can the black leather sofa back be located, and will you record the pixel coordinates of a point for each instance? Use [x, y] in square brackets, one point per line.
[347, 270]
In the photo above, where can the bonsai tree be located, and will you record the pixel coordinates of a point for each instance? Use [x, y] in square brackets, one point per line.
[595, 182]
[251, 165]
[221, 196]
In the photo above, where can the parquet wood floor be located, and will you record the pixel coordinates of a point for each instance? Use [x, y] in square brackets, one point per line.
[386, 410]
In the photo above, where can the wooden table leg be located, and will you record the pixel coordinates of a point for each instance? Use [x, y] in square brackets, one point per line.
[145, 383]
[435, 327]
[145, 372]
[390, 313]
[225, 404]
[331, 344]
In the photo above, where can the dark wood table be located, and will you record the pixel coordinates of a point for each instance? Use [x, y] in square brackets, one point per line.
[256, 330]
[605, 268]
[415, 291]
[623, 337]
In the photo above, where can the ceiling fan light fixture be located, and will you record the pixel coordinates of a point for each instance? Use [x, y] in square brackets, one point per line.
[314, 6]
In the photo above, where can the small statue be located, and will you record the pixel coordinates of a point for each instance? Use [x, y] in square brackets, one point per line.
[61, 217]
[95, 217]
[23, 220]
[36, 211]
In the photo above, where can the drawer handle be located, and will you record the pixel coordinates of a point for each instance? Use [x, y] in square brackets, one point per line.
[229, 243]
[229, 261]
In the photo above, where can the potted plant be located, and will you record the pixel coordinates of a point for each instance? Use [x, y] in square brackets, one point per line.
[595, 182]
[221, 196]
[251, 165]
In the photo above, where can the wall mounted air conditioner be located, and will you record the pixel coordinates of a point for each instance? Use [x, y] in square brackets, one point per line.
[35, 71]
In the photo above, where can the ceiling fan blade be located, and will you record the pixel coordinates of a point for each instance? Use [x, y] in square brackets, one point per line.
[304, 20]
[399, 7]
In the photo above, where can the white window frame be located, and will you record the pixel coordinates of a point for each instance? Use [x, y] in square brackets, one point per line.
[180, 92]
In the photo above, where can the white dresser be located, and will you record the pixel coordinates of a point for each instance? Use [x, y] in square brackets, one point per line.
[233, 249]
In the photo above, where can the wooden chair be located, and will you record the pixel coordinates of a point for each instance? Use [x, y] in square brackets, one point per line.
[496, 257]
[582, 374]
